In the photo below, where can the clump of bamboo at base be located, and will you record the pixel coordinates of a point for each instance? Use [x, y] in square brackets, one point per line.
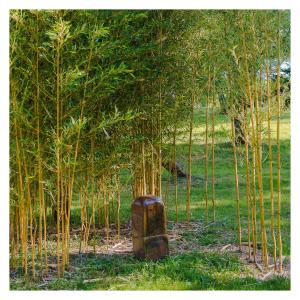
[251, 107]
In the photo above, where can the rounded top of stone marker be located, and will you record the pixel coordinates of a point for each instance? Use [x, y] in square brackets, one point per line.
[146, 200]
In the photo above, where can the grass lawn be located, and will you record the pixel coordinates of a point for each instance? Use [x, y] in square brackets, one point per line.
[200, 265]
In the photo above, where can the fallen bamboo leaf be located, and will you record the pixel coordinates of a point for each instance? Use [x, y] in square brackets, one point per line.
[91, 280]
[225, 247]
[117, 245]
[259, 267]
[267, 275]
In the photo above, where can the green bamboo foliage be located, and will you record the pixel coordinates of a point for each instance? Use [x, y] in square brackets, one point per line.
[99, 103]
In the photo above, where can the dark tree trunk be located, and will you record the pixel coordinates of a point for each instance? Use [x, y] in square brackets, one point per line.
[174, 167]
[239, 132]
[54, 211]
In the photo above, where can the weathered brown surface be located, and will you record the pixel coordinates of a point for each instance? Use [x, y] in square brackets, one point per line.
[149, 228]
[174, 168]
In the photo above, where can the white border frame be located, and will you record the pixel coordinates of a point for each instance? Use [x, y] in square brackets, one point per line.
[5, 5]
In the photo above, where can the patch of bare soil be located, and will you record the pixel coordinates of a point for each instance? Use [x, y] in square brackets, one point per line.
[182, 239]
[179, 244]
[257, 268]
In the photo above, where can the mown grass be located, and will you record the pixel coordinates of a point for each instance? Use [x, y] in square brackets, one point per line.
[191, 270]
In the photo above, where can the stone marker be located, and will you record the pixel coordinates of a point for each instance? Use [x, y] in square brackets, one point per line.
[149, 235]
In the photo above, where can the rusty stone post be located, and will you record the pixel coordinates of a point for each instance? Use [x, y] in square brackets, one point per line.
[149, 234]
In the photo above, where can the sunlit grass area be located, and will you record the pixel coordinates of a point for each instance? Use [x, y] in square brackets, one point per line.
[190, 270]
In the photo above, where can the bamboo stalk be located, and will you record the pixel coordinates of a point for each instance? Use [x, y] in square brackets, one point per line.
[119, 202]
[256, 133]
[40, 186]
[270, 150]
[58, 158]
[106, 212]
[63, 218]
[82, 107]
[175, 173]
[152, 190]
[237, 193]
[32, 240]
[278, 148]
[31, 217]
[68, 211]
[93, 192]
[81, 217]
[22, 206]
[233, 140]
[213, 146]
[188, 193]
[12, 231]
[253, 214]
[167, 190]
[144, 169]
[86, 210]
[259, 178]
[206, 140]
[247, 179]
[160, 114]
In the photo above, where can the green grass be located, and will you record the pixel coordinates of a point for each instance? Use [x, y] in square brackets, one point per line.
[191, 270]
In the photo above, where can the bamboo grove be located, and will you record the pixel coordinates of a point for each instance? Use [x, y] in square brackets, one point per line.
[95, 95]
